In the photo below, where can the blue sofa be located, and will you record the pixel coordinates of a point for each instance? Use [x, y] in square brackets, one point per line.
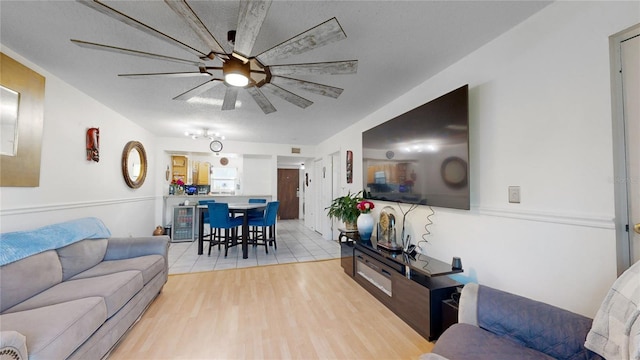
[496, 325]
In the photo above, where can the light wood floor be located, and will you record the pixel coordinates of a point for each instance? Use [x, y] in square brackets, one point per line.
[292, 311]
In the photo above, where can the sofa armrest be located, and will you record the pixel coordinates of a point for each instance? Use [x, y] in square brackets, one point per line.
[468, 307]
[125, 248]
[13, 344]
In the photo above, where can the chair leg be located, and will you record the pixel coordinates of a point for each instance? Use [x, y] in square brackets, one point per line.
[264, 238]
[226, 242]
[272, 236]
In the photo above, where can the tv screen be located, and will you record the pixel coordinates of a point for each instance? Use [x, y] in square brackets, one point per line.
[421, 156]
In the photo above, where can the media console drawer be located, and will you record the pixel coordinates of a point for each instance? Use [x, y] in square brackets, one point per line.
[374, 276]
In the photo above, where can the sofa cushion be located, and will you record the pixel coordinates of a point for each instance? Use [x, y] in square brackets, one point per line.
[150, 266]
[464, 341]
[80, 256]
[15, 287]
[116, 289]
[54, 332]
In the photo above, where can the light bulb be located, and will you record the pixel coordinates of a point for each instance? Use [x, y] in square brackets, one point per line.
[236, 79]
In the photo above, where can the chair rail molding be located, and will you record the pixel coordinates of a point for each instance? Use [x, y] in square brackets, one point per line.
[73, 205]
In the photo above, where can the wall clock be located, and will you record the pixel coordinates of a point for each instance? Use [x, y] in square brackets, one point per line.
[215, 146]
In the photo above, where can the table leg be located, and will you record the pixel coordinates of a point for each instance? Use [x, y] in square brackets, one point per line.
[200, 230]
[245, 234]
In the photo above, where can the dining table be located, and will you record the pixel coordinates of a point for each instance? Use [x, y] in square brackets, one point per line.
[234, 209]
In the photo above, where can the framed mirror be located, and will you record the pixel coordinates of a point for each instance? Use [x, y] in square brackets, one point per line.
[134, 164]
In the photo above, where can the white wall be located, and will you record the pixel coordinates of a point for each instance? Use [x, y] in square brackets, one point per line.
[256, 175]
[540, 112]
[72, 187]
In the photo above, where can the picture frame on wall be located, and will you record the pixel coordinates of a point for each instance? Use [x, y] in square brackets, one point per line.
[20, 163]
[349, 166]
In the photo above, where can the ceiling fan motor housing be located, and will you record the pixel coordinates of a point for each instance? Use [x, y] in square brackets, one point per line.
[231, 37]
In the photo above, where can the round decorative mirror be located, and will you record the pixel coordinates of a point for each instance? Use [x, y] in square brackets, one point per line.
[134, 164]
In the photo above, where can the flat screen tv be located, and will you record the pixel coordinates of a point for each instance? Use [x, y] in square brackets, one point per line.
[421, 156]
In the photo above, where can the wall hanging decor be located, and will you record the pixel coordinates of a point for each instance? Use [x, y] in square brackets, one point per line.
[93, 144]
[21, 151]
[349, 166]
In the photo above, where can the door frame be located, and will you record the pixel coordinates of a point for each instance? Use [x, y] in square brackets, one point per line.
[620, 180]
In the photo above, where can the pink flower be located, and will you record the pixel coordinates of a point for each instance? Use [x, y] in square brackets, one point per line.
[365, 206]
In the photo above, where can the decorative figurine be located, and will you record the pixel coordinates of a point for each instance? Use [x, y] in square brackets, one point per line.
[93, 144]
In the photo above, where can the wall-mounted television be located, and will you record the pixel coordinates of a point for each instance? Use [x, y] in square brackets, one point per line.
[421, 156]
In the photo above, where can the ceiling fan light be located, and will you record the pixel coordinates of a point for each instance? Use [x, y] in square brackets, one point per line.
[235, 79]
[236, 73]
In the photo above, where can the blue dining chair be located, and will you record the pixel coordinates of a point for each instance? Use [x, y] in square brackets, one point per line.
[205, 221]
[267, 225]
[220, 219]
[255, 213]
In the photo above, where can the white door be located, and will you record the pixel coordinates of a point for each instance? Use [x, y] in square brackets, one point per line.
[335, 190]
[630, 55]
[318, 186]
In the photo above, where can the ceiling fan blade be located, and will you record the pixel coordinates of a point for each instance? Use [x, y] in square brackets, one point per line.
[316, 88]
[321, 35]
[261, 100]
[115, 14]
[322, 68]
[186, 12]
[287, 95]
[95, 46]
[198, 89]
[250, 19]
[170, 75]
[230, 97]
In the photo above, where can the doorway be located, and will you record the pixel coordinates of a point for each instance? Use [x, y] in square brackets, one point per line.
[625, 52]
[288, 193]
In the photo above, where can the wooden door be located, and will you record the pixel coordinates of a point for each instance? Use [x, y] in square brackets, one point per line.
[288, 180]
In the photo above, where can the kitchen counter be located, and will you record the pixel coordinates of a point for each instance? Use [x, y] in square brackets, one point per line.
[169, 201]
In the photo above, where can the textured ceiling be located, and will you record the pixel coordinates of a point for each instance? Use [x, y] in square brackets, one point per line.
[398, 45]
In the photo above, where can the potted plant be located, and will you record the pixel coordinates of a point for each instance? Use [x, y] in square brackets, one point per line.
[345, 208]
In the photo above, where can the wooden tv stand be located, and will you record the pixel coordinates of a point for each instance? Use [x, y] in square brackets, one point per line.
[412, 288]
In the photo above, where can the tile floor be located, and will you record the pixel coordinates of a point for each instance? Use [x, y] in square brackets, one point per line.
[296, 243]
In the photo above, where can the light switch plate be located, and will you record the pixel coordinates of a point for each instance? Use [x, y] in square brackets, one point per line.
[514, 194]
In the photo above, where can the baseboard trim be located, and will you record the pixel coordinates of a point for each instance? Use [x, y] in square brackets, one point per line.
[73, 205]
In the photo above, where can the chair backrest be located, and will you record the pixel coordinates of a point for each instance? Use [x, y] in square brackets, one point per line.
[271, 214]
[257, 201]
[218, 215]
[206, 215]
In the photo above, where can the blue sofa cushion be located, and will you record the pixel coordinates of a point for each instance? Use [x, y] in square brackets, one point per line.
[468, 342]
[556, 332]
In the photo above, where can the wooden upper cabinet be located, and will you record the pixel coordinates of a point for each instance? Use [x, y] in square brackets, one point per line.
[179, 168]
[204, 174]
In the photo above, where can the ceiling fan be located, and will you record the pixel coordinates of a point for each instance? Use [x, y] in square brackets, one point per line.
[239, 69]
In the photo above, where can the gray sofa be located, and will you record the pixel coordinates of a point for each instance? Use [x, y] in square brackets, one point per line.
[496, 325]
[78, 300]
